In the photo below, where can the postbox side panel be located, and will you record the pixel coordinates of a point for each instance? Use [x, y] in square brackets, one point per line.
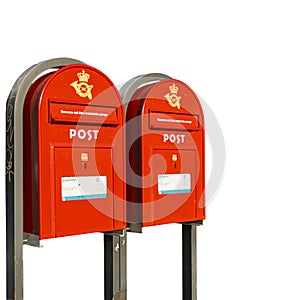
[134, 165]
[30, 152]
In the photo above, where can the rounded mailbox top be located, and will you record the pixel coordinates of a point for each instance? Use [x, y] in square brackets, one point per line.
[80, 94]
[81, 84]
[174, 96]
[170, 103]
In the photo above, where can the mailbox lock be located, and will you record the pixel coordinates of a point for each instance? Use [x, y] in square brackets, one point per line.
[174, 159]
[84, 156]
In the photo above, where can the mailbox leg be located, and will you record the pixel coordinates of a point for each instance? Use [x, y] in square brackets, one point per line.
[14, 251]
[115, 266]
[14, 206]
[189, 262]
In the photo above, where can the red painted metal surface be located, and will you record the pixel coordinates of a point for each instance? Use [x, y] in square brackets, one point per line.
[165, 142]
[73, 120]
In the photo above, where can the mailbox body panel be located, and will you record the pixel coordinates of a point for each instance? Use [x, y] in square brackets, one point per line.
[80, 178]
[167, 156]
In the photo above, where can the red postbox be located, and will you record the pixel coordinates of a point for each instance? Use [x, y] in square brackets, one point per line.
[165, 144]
[73, 154]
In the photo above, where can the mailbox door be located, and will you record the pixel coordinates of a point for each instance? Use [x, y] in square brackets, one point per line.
[172, 198]
[92, 183]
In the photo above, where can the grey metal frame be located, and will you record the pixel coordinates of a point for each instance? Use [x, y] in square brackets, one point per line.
[14, 175]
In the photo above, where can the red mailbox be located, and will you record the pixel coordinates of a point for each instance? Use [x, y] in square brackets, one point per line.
[73, 154]
[165, 144]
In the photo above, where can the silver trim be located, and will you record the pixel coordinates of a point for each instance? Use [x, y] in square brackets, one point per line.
[129, 88]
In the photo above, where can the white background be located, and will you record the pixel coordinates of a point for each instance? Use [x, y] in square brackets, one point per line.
[243, 58]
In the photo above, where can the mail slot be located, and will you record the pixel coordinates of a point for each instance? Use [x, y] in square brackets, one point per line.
[165, 146]
[73, 154]
[160, 120]
[84, 114]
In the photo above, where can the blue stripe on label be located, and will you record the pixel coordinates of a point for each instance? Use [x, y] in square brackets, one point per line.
[174, 192]
[86, 197]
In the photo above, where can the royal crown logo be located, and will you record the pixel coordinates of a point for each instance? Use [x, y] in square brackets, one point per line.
[172, 97]
[81, 86]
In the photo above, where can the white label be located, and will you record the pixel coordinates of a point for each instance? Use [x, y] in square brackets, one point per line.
[174, 184]
[83, 187]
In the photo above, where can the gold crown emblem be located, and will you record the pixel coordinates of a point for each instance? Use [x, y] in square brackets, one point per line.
[82, 76]
[172, 97]
[173, 89]
[82, 88]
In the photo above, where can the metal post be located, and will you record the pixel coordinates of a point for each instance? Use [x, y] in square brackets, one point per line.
[115, 266]
[14, 174]
[189, 261]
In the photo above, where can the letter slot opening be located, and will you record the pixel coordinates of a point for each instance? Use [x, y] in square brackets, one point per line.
[162, 120]
[82, 114]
